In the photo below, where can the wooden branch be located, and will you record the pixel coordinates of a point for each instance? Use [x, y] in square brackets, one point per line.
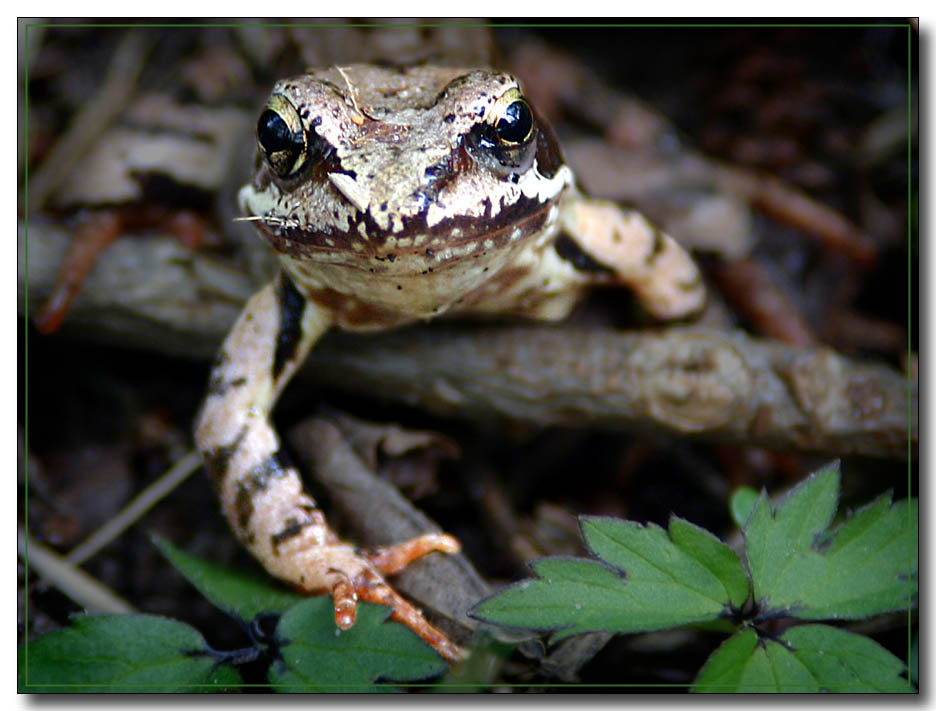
[707, 384]
[711, 385]
[381, 515]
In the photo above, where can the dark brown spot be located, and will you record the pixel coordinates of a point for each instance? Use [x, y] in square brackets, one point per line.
[571, 251]
[218, 460]
[292, 529]
[243, 505]
[217, 385]
[253, 481]
[441, 175]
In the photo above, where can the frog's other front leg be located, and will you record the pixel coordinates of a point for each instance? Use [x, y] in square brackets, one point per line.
[643, 257]
[261, 493]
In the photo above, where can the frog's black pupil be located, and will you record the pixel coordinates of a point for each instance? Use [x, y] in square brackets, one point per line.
[516, 123]
[273, 133]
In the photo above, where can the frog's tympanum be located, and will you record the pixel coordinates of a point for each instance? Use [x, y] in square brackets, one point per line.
[392, 196]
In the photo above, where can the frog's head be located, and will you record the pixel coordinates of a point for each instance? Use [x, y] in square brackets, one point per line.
[398, 171]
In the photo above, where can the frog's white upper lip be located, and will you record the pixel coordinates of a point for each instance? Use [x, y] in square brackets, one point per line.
[455, 235]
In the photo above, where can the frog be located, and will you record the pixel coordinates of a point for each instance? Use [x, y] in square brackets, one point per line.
[393, 195]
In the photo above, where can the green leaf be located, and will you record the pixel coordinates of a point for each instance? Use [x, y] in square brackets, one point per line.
[317, 656]
[843, 661]
[774, 537]
[742, 504]
[809, 658]
[727, 666]
[870, 566]
[651, 581]
[121, 653]
[866, 566]
[718, 559]
[237, 593]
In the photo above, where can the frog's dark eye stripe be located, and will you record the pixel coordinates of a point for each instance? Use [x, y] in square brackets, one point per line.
[283, 138]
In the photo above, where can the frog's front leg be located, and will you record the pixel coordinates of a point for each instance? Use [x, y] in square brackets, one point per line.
[639, 254]
[261, 493]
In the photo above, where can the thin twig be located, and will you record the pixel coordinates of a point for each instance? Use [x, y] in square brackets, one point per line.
[127, 516]
[78, 585]
[792, 206]
[771, 309]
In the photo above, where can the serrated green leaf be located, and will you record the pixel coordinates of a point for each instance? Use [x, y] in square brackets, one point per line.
[573, 595]
[727, 665]
[718, 559]
[845, 662]
[121, 653]
[866, 566]
[869, 566]
[774, 537]
[686, 556]
[653, 581]
[746, 665]
[806, 659]
[240, 594]
[318, 657]
[742, 504]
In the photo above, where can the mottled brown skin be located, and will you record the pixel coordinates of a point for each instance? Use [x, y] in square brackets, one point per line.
[393, 196]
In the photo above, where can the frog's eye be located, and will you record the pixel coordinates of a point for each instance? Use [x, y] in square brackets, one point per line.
[506, 140]
[282, 137]
[515, 124]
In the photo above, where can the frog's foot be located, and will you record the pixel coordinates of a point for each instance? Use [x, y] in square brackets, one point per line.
[262, 493]
[642, 256]
[364, 581]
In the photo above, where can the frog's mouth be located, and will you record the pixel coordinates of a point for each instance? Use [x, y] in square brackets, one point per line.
[440, 226]
[449, 241]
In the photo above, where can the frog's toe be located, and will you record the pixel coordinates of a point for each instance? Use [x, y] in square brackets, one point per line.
[361, 579]
[376, 590]
[393, 559]
[345, 599]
